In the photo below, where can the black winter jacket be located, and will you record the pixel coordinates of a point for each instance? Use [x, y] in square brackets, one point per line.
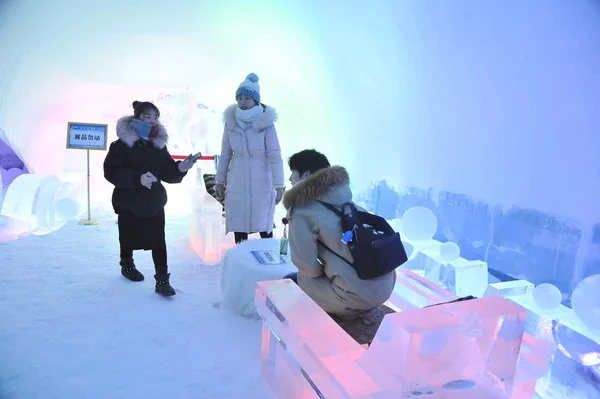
[128, 159]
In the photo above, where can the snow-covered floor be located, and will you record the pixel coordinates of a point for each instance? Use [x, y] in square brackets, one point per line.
[72, 327]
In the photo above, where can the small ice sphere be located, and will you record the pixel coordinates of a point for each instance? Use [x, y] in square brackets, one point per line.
[449, 251]
[419, 224]
[547, 296]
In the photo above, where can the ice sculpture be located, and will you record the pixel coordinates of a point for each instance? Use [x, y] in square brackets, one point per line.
[461, 276]
[207, 232]
[547, 296]
[561, 313]
[43, 202]
[9, 175]
[585, 301]
[419, 224]
[466, 350]
[10, 228]
[412, 291]
[179, 113]
[572, 337]
[449, 251]
[192, 126]
[305, 354]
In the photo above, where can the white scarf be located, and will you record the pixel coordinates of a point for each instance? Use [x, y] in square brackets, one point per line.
[245, 117]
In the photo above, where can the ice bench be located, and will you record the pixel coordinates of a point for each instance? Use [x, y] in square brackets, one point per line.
[463, 350]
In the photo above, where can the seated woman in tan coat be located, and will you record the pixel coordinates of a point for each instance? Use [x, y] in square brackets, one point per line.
[332, 283]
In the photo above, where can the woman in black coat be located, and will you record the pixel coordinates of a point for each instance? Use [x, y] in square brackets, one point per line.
[137, 164]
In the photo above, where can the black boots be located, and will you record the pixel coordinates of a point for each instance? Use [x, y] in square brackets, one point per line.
[129, 271]
[163, 287]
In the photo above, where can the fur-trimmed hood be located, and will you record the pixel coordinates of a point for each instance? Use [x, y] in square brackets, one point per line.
[318, 185]
[129, 136]
[261, 122]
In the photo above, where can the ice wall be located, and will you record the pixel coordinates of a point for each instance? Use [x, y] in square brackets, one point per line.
[487, 113]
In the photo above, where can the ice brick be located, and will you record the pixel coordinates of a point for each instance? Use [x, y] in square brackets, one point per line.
[462, 277]
[467, 277]
[314, 348]
[462, 350]
[420, 259]
[561, 314]
[281, 372]
[507, 289]
[412, 291]
[535, 358]
[206, 226]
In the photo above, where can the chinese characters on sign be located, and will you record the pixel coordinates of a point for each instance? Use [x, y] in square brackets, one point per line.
[268, 257]
[87, 136]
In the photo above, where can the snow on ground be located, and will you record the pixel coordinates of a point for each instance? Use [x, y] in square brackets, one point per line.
[72, 327]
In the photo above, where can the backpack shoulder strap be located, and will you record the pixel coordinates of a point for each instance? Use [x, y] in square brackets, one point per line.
[333, 252]
[331, 208]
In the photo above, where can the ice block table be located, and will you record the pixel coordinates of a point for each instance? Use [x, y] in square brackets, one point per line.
[241, 269]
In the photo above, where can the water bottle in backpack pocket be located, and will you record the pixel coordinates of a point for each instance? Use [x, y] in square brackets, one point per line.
[376, 248]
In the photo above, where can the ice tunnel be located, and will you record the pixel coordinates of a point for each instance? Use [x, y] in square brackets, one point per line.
[483, 113]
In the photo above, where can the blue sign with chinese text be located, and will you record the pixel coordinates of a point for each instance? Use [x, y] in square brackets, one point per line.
[87, 136]
[268, 257]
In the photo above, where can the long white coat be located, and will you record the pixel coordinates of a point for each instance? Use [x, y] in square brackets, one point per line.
[250, 167]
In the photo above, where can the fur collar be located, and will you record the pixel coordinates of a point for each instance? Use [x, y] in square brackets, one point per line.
[127, 135]
[261, 122]
[315, 186]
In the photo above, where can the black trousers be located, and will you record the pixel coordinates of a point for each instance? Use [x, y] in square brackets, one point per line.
[239, 237]
[159, 257]
[144, 233]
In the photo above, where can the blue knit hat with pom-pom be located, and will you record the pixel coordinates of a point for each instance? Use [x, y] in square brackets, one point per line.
[250, 88]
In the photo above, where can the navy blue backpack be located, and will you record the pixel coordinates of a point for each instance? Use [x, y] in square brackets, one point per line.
[376, 248]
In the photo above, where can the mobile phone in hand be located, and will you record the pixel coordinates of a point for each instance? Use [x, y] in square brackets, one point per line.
[196, 156]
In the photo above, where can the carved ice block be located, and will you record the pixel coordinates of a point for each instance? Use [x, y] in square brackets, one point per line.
[537, 353]
[507, 289]
[535, 358]
[420, 260]
[467, 277]
[206, 226]
[412, 291]
[280, 371]
[463, 350]
[562, 314]
[312, 350]
[461, 276]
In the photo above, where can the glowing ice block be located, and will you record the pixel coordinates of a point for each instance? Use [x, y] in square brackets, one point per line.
[412, 291]
[206, 225]
[305, 354]
[462, 350]
[535, 359]
[299, 343]
[467, 277]
[560, 330]
[461, 276]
